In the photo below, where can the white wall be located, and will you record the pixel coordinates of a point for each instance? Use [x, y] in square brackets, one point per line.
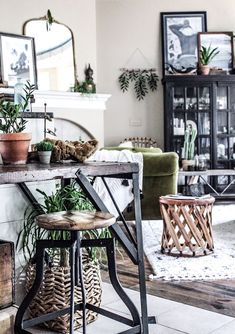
[126, 25]
[79, 15]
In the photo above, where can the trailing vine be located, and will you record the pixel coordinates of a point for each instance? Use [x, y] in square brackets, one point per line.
[144, 80]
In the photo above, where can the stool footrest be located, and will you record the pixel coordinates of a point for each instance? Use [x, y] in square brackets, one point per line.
[110, 315]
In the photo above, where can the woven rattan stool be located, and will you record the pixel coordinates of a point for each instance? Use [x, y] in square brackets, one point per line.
[75, 222]
[187, 225]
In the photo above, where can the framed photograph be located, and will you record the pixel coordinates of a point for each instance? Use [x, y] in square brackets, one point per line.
[223, 41]
[18, 60]
[179, 41]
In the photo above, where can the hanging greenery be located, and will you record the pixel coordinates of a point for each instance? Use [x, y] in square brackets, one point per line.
[144, 80]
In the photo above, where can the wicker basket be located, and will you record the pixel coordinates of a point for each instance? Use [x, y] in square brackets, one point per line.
[54, 294]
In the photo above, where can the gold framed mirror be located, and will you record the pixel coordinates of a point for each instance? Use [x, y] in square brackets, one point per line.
[55, 55]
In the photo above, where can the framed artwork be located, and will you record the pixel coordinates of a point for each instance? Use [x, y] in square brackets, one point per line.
[18, 60]
[180, 41]
[223, 41]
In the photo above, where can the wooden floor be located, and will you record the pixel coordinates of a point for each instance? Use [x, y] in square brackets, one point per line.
[217, 296]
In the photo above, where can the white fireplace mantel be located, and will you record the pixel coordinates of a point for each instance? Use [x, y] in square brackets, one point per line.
[84, 110]
[70, 100]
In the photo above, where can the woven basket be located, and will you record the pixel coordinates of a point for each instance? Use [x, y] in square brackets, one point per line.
[54, 294]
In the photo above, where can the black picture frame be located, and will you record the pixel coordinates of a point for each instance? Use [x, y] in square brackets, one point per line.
[17, 59]
[180, 41]
[223, 41]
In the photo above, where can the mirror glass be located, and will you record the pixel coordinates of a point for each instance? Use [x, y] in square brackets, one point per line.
[55, 56]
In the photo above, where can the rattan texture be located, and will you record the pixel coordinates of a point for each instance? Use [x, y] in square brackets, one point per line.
[54, 294]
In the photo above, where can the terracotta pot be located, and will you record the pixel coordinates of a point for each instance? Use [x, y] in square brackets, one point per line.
[14, 147]
[205, 69]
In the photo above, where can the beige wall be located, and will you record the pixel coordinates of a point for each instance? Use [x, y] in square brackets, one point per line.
[122, 27]
[79, 15]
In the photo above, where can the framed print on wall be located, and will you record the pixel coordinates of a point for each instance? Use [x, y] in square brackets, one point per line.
[179, 41]
[18, 60]
[223, 41]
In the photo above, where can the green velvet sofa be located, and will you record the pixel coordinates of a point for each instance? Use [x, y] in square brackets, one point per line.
[160, 174]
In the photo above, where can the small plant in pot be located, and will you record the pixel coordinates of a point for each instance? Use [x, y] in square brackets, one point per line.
[189, 148]
[44, 149]
[207, 54]
[14, 143]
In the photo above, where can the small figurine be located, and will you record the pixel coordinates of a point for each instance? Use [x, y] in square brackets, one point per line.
[89, 83]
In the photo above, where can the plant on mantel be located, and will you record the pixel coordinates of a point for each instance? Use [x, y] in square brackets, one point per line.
[14, 143]
[144, 80]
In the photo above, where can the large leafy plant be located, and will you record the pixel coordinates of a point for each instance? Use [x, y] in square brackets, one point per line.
[12, 114]
[207, 54]
[67, 198]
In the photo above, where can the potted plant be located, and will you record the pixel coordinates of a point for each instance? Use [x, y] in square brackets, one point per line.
[44, 149]
[14, 143]
[189, 148]
[57, 270]
[206, 55]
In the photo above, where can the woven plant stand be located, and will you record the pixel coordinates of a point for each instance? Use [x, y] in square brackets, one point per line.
[187, 225]
[54, 294]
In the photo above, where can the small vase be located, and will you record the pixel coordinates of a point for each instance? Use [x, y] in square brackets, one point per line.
[44, 157]
[188, 165]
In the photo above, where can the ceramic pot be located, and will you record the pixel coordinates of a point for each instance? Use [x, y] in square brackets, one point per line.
[188, 165]
[14, 147]
[205, 69]
[44, 157]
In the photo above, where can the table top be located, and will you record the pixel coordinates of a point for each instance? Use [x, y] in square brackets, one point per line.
[39, 172]
[208, 172]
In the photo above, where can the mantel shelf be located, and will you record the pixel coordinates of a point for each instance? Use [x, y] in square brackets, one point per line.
[68, 100]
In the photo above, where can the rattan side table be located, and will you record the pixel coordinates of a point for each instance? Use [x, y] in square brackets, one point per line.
[187, 225]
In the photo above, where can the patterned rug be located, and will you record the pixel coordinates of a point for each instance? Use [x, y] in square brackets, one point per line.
[218, 265]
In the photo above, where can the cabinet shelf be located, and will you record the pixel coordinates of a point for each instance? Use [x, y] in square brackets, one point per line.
[209, 102]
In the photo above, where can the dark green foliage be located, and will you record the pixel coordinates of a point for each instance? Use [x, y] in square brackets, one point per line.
[141, 87]
[50, 20]
[143, 81]
[12, 119]
[124, 80]
[207, 54]
[67, 198]
[44, 146]
[152, 80]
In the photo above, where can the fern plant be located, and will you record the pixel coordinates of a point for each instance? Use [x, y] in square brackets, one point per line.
[144, 80]
[67, 198]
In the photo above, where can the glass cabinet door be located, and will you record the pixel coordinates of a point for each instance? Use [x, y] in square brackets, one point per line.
[204, 101]
[178, 98]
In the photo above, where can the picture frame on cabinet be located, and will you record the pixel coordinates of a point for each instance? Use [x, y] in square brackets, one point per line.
[180, 41]
[18, 59]
[223, 41]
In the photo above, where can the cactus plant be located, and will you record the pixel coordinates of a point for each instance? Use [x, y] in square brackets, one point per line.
[189, 143]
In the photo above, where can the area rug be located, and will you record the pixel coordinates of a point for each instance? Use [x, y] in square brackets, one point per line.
[218, 265]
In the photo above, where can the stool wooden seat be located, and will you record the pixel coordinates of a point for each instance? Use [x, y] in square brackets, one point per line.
[75, 220]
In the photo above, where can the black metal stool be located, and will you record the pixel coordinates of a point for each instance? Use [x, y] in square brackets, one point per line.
[75, 222]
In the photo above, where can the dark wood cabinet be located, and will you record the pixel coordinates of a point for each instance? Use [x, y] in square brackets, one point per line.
[207, 103]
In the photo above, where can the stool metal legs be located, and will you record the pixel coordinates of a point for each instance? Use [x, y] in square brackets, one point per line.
[75, 245]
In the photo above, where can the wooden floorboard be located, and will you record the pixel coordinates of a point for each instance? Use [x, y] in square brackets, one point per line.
[217, 295]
